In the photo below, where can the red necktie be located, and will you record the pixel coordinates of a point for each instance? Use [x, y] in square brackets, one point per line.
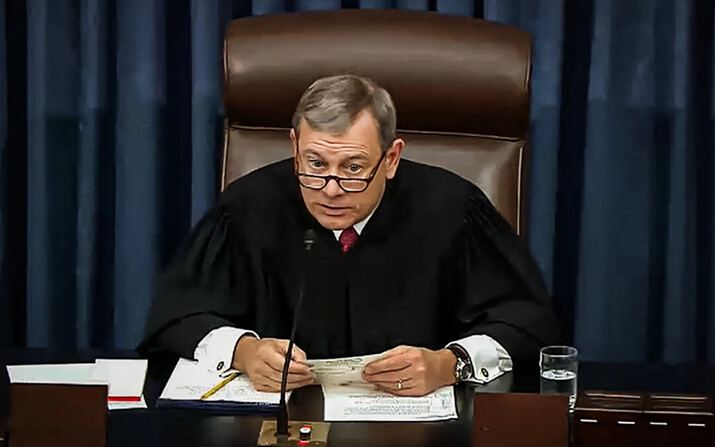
[348, 238]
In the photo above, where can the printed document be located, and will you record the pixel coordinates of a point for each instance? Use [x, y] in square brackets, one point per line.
[364, 403]
[189, 381]
[341, 371]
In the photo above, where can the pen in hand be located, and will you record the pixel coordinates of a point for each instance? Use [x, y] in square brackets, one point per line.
[221, 384]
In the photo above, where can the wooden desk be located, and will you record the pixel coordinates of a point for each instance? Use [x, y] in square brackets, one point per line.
[176, 428]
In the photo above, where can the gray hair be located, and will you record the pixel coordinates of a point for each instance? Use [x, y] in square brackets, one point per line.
[331, 105]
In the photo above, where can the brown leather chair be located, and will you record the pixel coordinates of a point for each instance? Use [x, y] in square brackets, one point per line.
[461, 87]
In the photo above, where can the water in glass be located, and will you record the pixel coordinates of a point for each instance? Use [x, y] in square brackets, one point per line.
[559, 381]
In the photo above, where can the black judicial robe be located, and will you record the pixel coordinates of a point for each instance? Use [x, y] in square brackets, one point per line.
[436, 262]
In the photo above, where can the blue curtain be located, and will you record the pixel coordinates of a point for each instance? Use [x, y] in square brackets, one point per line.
[110, 136]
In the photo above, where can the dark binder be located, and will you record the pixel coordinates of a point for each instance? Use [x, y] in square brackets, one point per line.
[221, 407]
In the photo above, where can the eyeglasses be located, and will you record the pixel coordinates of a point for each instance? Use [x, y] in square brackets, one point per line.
[347, 184]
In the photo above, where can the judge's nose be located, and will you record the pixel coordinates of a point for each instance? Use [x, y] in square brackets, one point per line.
[332, 189]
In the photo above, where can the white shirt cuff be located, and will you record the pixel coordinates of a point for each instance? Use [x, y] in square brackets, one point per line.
[489, 359]
[215, 351]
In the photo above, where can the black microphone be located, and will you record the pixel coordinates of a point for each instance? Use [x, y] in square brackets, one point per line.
[282, 432]
[309, 238]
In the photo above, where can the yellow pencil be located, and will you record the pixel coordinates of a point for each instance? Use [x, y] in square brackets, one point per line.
[222, 384]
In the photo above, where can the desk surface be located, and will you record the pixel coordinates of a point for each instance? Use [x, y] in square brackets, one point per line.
[159, 427]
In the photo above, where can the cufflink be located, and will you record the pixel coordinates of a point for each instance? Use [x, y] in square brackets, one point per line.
[484, 372]
[219, 367]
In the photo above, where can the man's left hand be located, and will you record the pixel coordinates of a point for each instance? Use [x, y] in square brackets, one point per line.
[410, 371]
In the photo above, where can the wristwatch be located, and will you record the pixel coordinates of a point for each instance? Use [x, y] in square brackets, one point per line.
[463, 369]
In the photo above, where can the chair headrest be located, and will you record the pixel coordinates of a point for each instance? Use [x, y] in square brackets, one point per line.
[445, 73]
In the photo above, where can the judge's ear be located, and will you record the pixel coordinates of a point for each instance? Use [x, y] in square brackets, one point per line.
[294, 142]
[392, 157]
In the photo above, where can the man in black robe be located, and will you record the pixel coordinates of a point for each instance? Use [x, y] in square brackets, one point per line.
[413, 262]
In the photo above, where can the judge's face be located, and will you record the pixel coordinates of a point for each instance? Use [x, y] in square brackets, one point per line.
[356, 154]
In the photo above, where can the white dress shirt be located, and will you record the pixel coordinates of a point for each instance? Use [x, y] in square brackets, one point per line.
[489, 359]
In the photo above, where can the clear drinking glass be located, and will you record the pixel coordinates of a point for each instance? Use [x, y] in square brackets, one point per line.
[559, 370]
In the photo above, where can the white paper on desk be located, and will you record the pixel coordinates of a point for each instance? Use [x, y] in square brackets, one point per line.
[363, 403]
[61, 374]
[344, 371]
[138, 405]
[189, 381]
[124, 376]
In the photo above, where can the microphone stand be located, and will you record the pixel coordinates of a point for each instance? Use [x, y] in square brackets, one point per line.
[282, 417]
[282, 432]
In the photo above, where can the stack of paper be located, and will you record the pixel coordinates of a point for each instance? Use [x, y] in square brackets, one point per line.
[126, 381]
[364, 403]
[65, 374]
[189, 381]
[349, 398]
[124, 378]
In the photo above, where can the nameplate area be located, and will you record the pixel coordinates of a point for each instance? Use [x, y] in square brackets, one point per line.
[517, 420]
[57, 415]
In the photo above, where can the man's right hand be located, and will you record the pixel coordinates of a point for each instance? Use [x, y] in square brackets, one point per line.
[263, 361]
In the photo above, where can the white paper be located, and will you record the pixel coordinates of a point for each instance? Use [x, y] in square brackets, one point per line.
[124, 376]
[189, 381]
[363, 403]
[61, 374]
[138, 405]
[344, 371]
